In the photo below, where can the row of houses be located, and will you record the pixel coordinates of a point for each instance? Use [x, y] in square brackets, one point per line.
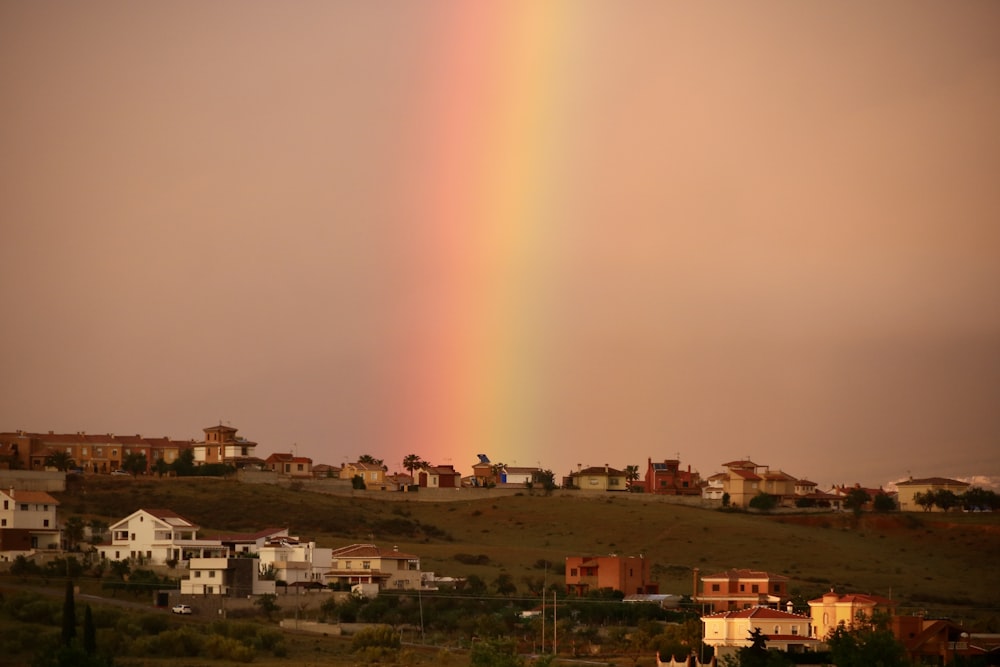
[737, 602]
[243, 564]
[738, 482]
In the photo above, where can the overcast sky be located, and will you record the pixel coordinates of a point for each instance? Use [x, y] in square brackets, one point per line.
[556, 233]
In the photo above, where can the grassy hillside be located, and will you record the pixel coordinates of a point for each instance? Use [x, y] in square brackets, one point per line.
[944, 564]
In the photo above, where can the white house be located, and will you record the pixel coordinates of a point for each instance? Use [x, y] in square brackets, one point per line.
[295, 562]
[156, 537]
[715, 487]
[27, 523]
[727, 631]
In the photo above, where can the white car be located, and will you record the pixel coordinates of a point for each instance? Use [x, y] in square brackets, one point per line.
[181, 609]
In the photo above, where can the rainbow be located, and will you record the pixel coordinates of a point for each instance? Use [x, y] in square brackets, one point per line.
[481, 170]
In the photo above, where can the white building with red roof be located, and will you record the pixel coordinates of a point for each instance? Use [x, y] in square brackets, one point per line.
[728, 631]
[27, 523]
[157, 536]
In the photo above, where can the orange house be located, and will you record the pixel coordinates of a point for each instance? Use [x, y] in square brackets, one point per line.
[628, 574]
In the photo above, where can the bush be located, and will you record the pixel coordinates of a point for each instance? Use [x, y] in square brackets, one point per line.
[380, 636]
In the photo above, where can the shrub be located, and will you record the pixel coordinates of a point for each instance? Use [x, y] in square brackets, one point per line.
[380, 636]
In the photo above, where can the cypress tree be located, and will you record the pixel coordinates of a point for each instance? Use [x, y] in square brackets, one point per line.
[69, 615]
[89, 632]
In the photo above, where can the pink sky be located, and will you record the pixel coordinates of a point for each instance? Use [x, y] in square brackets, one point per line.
[560, 233]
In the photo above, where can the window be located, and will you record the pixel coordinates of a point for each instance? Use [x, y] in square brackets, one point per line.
[24, 507]
[6, 504]
[300, 467]
[777, 629]
[755, 589]
[197, 574]
[347, 565]
[777, 588]
[84, 451]
[45, 523]
[133, 537]
[209, 589]
[3, 522]
[715, 588]
[742, 588]
[795, 630]
[211, 574]
[366, 565]
[572, 572]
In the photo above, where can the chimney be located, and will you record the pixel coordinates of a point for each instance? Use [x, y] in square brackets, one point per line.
[605, 468]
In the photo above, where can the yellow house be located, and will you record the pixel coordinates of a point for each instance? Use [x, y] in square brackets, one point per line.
[728, 631]
[598, 478]
[907, 490]
[372, 474]
[834, 608]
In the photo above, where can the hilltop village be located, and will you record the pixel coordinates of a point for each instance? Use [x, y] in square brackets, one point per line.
[230, 570]
[737, 484]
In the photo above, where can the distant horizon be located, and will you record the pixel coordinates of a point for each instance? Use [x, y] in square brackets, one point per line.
[973, 478]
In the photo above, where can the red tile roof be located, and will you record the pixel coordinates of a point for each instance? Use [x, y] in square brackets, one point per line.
[37, 497]
[934, 481]
[368, 551]
[745, 573]
[761, 613]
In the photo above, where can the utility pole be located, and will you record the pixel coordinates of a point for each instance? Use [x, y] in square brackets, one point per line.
[555, 624]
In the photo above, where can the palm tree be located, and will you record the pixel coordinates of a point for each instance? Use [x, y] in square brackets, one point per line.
[368, 458]
[631, 475]
[61, 461]
[411, 462]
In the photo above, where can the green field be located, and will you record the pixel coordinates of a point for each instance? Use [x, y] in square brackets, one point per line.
[943, 564]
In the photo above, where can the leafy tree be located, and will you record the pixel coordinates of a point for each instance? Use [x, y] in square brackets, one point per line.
[183, 465]
[411, 462]
[725, 499]
[883, 503]
[764, 502]
[268, 604]
[74, 531]
[60, 460]
[97, 530]
[856, 500]
[69, 615]
[504, 585]
[546, 478]
[946, 499]
[925, 500]
[978, 498]
[161, 467]
[474, 585]
[867, 643]
[135, 463]
[494, 653]
[358, 482]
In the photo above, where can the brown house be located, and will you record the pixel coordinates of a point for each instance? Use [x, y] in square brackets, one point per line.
[628, 574]
[741, 589]
[668, 479]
